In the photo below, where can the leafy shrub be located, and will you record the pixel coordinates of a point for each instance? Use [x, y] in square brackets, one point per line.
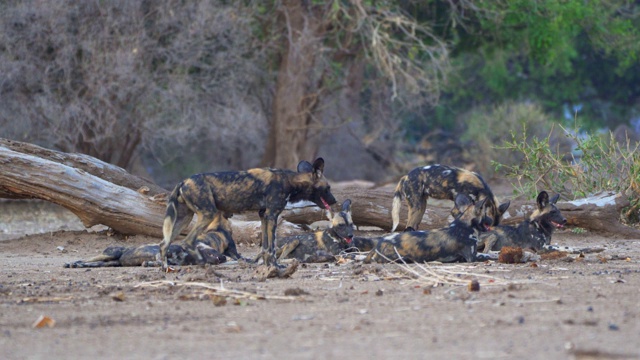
[597, 163]
[487, 128]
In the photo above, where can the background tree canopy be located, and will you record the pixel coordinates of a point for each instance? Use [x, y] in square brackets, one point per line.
[170, 88]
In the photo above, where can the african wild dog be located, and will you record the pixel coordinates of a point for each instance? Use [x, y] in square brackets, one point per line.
[455, 242]
[265, 190]
[441, 182]
[216, 238]
[211, 247]
[143, 255]
[321, 245]
[532, 233]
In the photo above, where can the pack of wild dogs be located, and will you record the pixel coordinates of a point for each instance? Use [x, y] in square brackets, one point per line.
[214, 197]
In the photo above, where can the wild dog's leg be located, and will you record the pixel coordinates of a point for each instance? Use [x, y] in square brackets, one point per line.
[92, 264]
[321, 256]
[287, 248]
[178, 216]
[417, 207]
[109, 257]
[371, 256]
[198, 198]
[489, 243]
[232, 250]
[269, 223]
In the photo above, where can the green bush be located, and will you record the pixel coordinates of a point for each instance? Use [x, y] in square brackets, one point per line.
[488, 128]
[597, 163]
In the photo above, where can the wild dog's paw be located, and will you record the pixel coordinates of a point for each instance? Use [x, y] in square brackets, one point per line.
[289, 270]
[152, 263]
[75, 264]
[263, 272]
[486, 257]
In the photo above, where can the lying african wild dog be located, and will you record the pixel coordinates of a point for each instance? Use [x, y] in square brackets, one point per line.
[441, 182]
[532, 233]
[321, 245]
[145, 255]
[265, 190]
[211, 247]
[455, 242]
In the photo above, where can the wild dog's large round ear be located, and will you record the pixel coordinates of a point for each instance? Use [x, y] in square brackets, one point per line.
[346, 206]
[318, 166]
[305, 167]
[503, 207]
[462, 201]
[543, 199]
[554, 199]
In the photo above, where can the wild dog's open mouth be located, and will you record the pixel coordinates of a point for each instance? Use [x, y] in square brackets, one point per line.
[348, 239]
[325, 203]
[558, 225]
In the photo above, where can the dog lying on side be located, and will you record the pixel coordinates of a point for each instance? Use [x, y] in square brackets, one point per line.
[441, 182]
[322, 245]
[264, 190]
[210, 247]
[532, 233]
[147, 255]
[456, 242]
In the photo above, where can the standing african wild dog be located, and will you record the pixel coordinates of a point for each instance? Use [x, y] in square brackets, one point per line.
[441, 182]
[455, 242]
[532, 233]
[211, 247]
[321, 245]
[264, 190]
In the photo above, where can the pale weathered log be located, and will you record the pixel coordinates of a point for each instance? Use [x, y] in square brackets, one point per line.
[98, 201]
[371, 207]
[94, 200]
[111, 173]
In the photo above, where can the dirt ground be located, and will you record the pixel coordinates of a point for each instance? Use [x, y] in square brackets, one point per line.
[582, 308]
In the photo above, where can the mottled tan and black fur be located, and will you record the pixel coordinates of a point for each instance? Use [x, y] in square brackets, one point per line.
[211, 247]
[321, 245]
[532, 233]
[441, 182]
[143, 255]
[363, 244]
[456, 242]
[264, 190]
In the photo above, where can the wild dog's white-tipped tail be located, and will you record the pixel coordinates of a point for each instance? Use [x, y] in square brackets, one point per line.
[395, 212]
[397, 203]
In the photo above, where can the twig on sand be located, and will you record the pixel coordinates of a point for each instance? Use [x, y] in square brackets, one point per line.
[432, 275]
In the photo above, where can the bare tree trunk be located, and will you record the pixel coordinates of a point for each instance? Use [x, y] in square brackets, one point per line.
[296, 94]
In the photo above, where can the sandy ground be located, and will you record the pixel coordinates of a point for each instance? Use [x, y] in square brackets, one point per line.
[582, 308]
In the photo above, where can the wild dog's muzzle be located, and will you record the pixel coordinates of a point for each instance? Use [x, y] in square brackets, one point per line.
[348, 239]
[560, 224]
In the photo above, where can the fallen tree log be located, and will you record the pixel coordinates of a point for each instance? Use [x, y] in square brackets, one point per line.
[111, 173]
[95, 200]
[371, 207]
